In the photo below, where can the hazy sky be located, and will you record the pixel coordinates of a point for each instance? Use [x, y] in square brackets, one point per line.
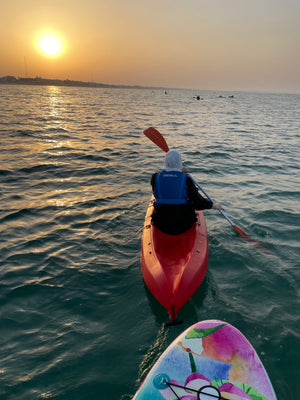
[199, 44]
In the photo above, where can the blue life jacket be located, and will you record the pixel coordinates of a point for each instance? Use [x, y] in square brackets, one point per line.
[170, 188]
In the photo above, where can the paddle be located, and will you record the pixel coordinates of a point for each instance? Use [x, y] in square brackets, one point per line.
[156, 137]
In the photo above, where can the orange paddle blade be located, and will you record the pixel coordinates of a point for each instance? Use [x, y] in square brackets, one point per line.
[241, 233]
[157, 138]
[249, 239]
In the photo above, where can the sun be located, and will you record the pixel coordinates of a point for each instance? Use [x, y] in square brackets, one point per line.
[50, 44]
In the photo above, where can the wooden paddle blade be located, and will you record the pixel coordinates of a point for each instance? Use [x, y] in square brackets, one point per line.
[157, 138]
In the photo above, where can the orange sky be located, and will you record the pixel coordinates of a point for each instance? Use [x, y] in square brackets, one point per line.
[199, 44]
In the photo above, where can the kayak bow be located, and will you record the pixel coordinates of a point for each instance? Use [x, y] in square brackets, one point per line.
[174, 266]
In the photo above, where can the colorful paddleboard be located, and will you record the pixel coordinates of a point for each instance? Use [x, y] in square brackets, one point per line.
[210, 360]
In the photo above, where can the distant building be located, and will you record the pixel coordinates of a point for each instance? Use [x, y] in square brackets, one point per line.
[8, 79]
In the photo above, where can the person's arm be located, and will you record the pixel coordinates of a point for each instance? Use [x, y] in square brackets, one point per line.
[196, 200]
[153, 180]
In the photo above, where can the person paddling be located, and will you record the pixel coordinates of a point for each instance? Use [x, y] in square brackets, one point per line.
[176, 197]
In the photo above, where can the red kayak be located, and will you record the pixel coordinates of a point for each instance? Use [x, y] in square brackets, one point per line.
[174, 266]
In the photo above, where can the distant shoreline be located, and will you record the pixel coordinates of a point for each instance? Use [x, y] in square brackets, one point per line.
[38, 81]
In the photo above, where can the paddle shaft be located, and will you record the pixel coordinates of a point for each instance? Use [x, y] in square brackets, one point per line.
[207, 195]
[238, 230]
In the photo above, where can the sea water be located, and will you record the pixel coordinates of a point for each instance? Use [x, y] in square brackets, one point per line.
[77, 321]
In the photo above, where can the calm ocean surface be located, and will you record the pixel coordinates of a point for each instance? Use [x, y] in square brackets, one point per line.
[76, 319]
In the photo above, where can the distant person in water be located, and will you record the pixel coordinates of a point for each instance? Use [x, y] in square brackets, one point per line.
[176, 197]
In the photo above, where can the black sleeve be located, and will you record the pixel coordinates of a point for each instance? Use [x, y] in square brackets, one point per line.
[195, 199]
[153, 181]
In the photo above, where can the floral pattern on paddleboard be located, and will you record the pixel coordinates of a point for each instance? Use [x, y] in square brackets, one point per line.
[210, 360]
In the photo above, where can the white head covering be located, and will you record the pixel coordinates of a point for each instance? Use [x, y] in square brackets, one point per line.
[173, 161]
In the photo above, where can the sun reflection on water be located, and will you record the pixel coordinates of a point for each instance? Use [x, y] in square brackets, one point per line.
[55, 109]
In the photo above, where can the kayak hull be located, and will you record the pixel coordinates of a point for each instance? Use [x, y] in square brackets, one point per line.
[174, 266]
[209, 360]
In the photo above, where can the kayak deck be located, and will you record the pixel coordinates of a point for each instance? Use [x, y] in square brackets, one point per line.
[173, 253]
[174, 266]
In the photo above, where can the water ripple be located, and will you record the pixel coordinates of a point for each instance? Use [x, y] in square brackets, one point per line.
[75, 174]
